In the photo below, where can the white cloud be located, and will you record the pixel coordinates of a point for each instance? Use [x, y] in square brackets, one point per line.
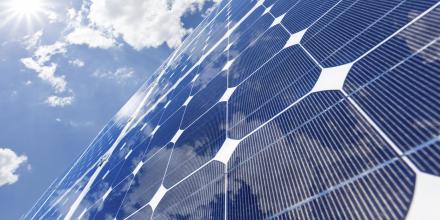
[77, 63]
[9, 163]
[120, 75]
[31, 41]
[40, 62]
[75, 124]
[57, 101]
[140, 23]
[28, 83]
[91, 37]
[46, 71]
[52, 16]
[45, 52]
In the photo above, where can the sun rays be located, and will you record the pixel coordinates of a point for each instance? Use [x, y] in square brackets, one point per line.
[19, 12]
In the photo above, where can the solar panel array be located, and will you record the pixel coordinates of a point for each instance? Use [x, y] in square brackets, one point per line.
[275, 109]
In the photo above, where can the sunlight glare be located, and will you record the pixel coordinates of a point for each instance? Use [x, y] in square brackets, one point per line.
[23, 11]
[26, 7]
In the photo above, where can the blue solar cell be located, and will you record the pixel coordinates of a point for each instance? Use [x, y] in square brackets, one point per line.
[306, 13]
[184, 83]
[268, 3]
[297, 115]
[400, 93]
[216, 58]
[130, 161]
[205, 99]
[62, 197]
[100, 145]
[144, 213]
[98, 189]
[287, 77]
[246, 33]
[53, 214]
[124, 148]
[282, 6]
[259, 52]
[165, 132]
[200, 196]
[427, 156]
[368, 197]
[253, 18]
[210, 68]
[218, 29]
[238, 9]
[154, 102]
[358, 27]
[108, 208]
[176, 103]
[179, 71]
[146, 182]
[308, 159]
[198, 144]
[200, 45]
[243, 202]
[149, 122]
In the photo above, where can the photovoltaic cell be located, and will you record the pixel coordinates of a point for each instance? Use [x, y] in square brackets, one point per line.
[303, 14]
[399, 93]
[205, 99]
[200, 196]
[280, 82]
[368, 197]
[145, 183]
[275, 109]
[257, 53]
[307, 159]
[353, 37]
[249, 31]
[280, 7]
[198, 144]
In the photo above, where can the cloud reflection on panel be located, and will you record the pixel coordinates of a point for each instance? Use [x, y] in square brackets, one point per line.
[320, 153]
[388, 90]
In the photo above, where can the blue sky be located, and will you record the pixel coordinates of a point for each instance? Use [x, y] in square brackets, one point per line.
[66, 68]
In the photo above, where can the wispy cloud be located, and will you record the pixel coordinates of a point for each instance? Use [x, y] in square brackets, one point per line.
[39, 63]
[31, 41]
[57, 101]
[77, 63]
[75, 124]
[120, 75]
[9, 163]
[46, 73]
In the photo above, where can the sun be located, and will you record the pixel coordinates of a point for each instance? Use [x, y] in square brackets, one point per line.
[26, 7]
[22, 11]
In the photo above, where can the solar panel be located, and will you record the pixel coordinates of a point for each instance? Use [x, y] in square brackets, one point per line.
[275, 109]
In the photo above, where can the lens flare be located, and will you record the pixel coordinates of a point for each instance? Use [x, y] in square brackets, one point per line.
[23, 11]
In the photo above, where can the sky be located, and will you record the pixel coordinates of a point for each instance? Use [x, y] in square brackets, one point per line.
[66, 67]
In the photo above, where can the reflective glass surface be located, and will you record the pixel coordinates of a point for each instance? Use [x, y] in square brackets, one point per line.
[275, 109]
